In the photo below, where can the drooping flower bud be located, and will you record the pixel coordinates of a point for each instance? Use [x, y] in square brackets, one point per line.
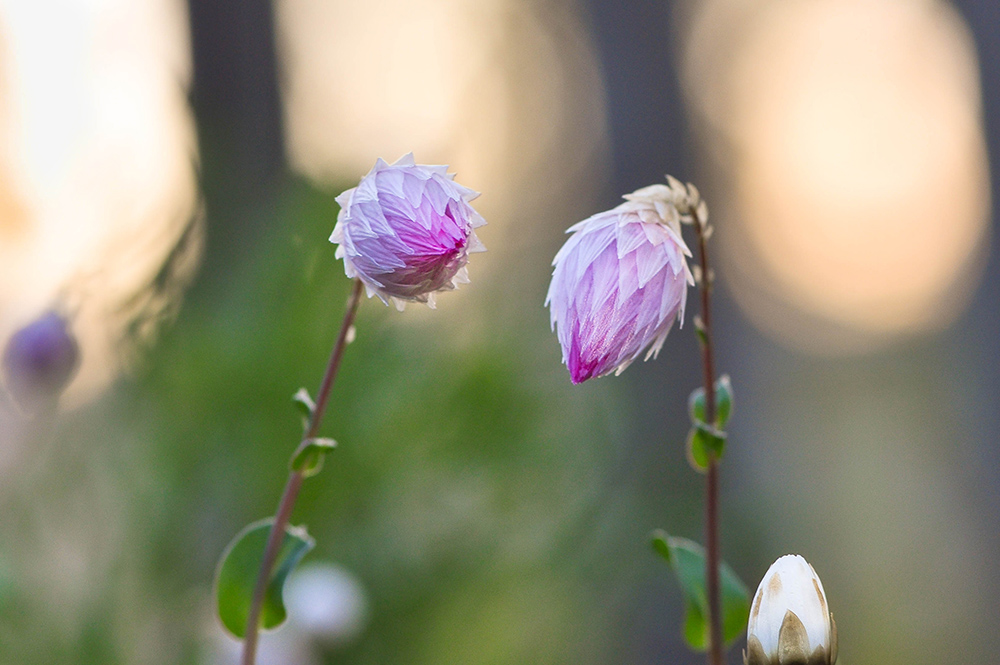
[621, 280]
[39, 360]
[790, 622]
[406, 231]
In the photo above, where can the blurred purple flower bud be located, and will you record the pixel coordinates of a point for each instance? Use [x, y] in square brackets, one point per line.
[619, 282]
[406, 231]
[39, 360]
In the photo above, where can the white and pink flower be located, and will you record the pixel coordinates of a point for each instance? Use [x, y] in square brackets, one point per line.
[406, 231]
[620, 281]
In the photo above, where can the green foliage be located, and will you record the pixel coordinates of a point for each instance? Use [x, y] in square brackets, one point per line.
[703, 442]
[237, 575]
[696, 405]
[723, 401]
[699, 330]
[723, 404]
[473, 493]
[708, 440]
[305, 405]
[687, 559]
[309, 456]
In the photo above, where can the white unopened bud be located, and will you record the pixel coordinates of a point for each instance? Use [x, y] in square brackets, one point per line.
[790, 622]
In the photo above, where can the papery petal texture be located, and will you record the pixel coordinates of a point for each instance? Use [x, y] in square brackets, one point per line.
[617, 286]
[790, 585]
[407, 231]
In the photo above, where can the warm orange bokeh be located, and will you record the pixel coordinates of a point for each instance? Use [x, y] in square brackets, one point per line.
[506, 92]
[854, 142]
[97, 170]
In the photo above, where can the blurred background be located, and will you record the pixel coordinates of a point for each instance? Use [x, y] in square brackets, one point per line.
[167, 175]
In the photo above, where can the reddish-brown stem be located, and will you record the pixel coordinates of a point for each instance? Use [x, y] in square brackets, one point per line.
[335, 356]
[715, 651]
[294, 484]
[274, 539]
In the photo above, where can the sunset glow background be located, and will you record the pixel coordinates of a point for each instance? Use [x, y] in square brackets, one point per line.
[167, 174]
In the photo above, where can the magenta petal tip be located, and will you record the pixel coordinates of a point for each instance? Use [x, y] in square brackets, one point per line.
[618, 284]
[406, 231]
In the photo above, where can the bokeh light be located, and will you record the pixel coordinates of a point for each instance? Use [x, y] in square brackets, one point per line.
[851, 136]
[96, 172]
[508, 93]
[481, 509]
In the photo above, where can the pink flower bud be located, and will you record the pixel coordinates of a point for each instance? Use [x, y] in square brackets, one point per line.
[406, 231]
[619, 282]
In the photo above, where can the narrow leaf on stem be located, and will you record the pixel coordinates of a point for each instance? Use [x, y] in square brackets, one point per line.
[305, 405]
[723, 401]
[696, 406]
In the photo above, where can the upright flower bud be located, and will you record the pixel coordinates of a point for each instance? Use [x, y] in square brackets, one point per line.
[790, 623]
[406, 231]
[39, 360]
[621, 280]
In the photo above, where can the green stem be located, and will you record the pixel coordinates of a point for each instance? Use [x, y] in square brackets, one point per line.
[294, 484]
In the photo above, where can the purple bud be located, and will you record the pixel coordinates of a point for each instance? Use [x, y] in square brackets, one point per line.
[39, 360]
[406, 231]
[618, 284]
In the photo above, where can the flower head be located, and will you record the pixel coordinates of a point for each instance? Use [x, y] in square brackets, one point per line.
[621, 280]
[790, 623]
[406, 231]
[39, 360]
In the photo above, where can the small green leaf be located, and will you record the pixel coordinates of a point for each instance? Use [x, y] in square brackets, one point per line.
[699, 329]
[696, 452]
[723, 404]
[696, 405]
[308, 457]
[723, 401]
[305, 405]
[236, 576]
[702, 442]
[687, 559]
[660, 544]
[712, 439]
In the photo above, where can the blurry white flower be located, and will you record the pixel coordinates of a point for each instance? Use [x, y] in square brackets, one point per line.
[407, 230]
[326, 602]
[790, 622]
[284, 646]
[327, 607]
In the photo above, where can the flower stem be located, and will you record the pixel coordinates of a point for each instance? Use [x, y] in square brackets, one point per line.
[715, 652]
[294, 483]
